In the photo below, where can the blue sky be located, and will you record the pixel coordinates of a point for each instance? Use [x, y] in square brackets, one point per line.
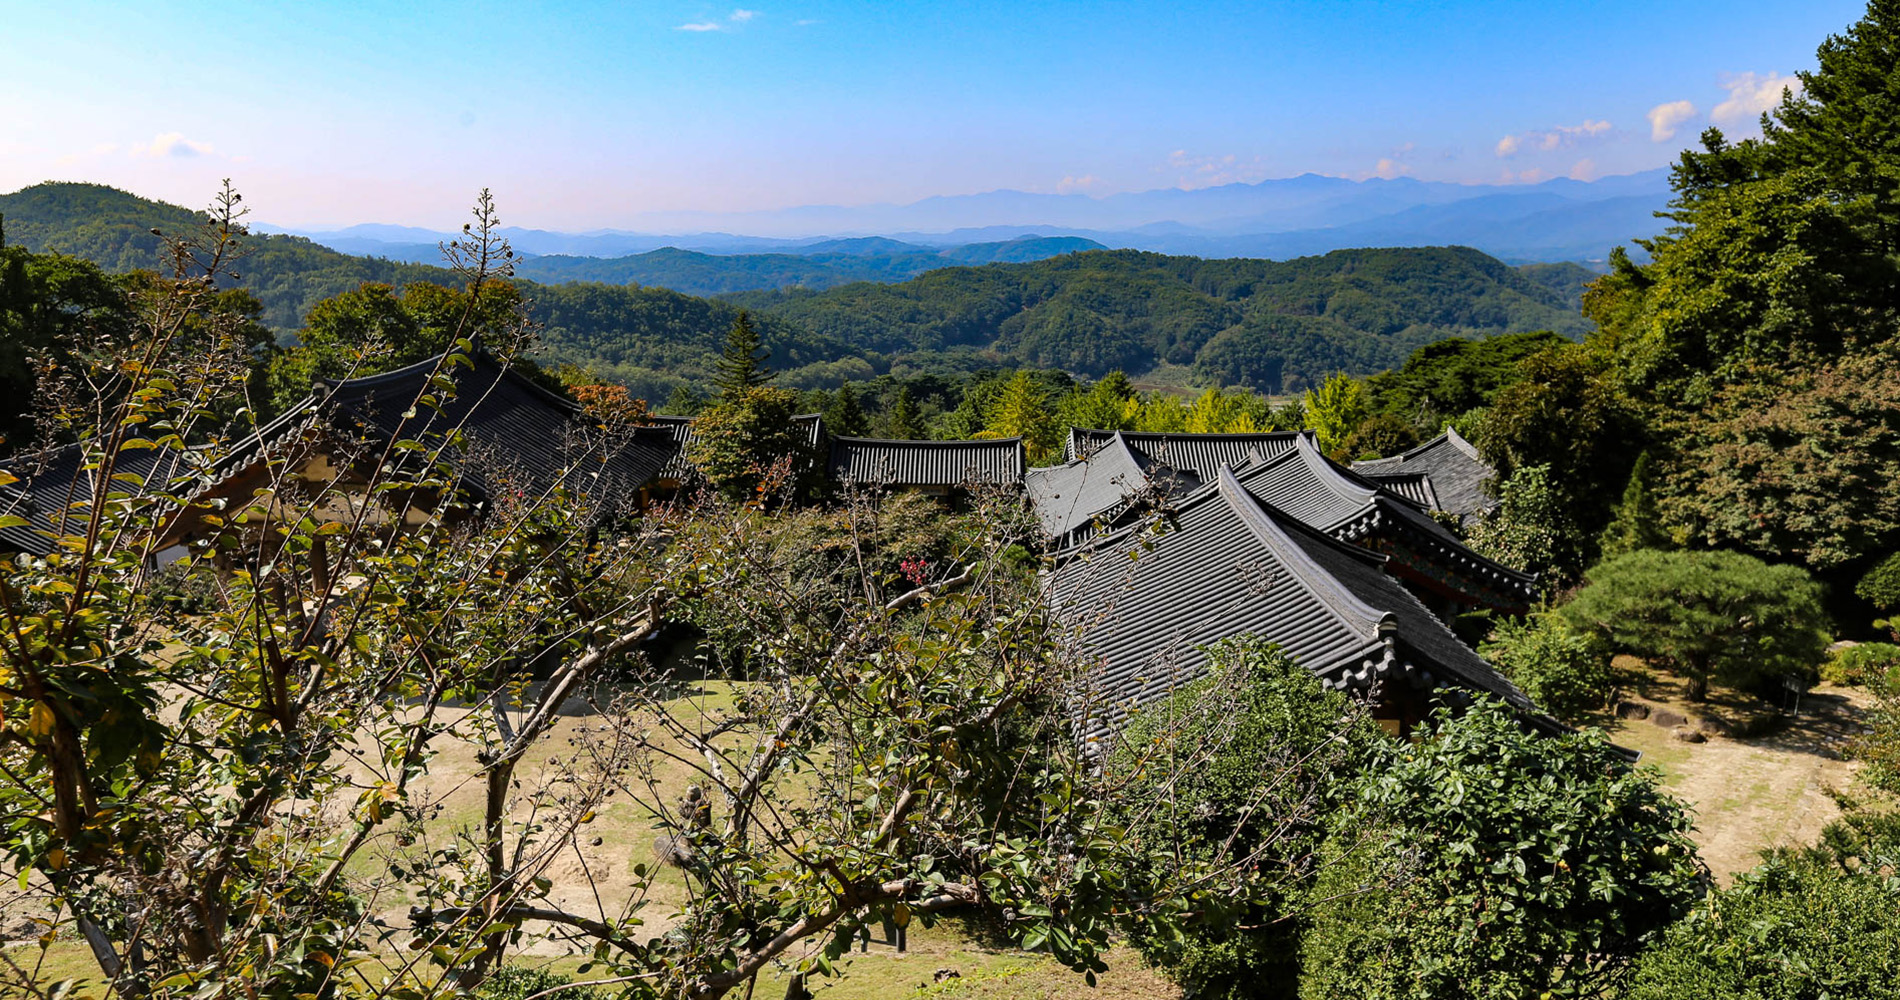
[581, 115]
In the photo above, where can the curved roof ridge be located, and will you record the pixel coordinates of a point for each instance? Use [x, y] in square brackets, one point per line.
[1458, 441]
[1329, 474]
[1321, 584]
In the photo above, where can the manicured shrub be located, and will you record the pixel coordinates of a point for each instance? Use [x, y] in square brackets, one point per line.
[1561, 671]
[1709, 616]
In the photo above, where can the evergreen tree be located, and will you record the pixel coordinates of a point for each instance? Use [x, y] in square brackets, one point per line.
[742, 365]
[1636, 523]
[843, 415]
[904, 422]
[684, 402]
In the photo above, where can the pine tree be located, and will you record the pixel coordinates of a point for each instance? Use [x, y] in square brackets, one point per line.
[742, 365]
[1636, 523]
[843, 415]
[905, 424]
[684, 402]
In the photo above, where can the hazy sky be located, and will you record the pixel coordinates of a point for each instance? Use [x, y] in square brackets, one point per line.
[581, 115]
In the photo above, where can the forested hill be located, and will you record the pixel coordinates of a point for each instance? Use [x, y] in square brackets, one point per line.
[1275, 325]
[827, 265]
[1272, 324]
[113, 229]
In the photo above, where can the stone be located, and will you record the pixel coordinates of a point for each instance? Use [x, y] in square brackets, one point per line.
[1666, 719]
[1689, 734]
[1631, 710]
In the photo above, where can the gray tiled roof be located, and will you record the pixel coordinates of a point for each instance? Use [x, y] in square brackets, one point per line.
[1234, 566]
[944, 464]
[1456, 474]
[1200, 454]
[516, 435]
[1072, 498]
[1350, 507]
[55, 489]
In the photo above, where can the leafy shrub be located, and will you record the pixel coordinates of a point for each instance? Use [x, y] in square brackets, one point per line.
[1878, 748]
[1803, 925]
[1560, 671]
[1881, 586]
[1515, 865]
[1278, 770]
[1868, 663]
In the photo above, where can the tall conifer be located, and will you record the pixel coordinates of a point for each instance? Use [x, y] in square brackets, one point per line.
[742, 364]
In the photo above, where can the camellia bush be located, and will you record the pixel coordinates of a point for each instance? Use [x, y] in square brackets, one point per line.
[1506, 864]
[1560, 670]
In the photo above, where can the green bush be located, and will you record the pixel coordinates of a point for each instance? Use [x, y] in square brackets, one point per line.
[1878, 749]
[1803, 926]
[1869, 663]
[1881, 586]
[1281, 754]
[1500, 864]
[1560, 671]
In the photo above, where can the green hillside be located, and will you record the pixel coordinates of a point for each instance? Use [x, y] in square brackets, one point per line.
[1277, 326]
[113, 229]
[1273, 325]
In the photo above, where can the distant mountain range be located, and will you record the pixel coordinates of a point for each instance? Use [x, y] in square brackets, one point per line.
[1557, 220]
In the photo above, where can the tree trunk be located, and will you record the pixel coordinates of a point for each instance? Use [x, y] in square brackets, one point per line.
[1699, 686]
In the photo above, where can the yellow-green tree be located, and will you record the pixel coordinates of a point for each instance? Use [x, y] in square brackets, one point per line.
[1335, 410]
[1022, 410]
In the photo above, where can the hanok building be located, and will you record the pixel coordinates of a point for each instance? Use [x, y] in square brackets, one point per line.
[1444, 474]
[1199, 455]
[55, 488]
[1120, 472]
[1233, 565]
[937, 468]
[1109, 482]
[481, 431]
[1439, 568]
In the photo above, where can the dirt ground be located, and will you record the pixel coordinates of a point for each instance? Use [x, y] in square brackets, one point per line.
[1748, 792]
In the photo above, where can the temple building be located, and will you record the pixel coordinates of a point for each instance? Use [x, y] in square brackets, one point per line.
[1444, 474]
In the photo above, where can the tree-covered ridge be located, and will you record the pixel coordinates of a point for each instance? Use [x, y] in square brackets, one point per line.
[822, 266]
[113, 229]
[1276, 326]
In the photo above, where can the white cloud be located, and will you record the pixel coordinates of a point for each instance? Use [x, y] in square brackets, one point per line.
[1213, 171]
[1080, 185]
[172, 144]
[1388, 168]
[805, 22]
[1583, 170]
[1750, 94]
[1665, 120]
[701, 26]
[741, 15]
[1546, 140]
